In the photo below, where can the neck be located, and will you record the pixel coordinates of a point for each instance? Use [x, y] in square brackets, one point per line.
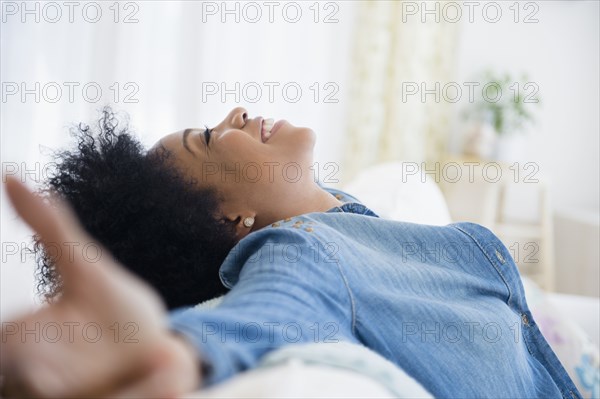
[312, 199]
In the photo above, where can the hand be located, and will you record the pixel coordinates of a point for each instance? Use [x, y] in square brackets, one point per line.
[105, 336]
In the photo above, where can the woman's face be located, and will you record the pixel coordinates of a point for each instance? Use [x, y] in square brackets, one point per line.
[252, 163]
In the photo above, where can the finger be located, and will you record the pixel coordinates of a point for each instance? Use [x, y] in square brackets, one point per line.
[57, 227]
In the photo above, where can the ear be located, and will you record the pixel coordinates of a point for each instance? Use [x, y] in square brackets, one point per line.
[244, 224]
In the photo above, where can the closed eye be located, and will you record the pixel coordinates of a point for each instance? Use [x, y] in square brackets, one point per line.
[207, 133]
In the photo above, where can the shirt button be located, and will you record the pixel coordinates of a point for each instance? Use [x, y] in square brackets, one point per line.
[500, 257]
[525, 319]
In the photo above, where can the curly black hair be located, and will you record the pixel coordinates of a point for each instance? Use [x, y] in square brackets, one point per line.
[155, 221]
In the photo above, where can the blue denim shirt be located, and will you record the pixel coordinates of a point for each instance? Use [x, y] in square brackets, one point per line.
[444, 303]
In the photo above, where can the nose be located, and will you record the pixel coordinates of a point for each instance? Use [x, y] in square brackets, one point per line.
[237, 117]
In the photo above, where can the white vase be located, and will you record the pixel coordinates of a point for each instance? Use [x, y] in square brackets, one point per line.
[481, 141]
[510, 147]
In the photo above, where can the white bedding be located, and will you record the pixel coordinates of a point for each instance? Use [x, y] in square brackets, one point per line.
[295, 379]
[320, 370]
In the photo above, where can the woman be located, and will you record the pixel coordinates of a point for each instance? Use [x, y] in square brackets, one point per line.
[235, 209]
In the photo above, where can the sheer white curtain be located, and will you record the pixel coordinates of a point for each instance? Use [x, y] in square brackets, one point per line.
[396, 60]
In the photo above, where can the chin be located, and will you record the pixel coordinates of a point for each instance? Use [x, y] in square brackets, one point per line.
[296, 137]
[305, 135]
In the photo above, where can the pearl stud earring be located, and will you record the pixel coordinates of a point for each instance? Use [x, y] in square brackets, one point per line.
[249, 221]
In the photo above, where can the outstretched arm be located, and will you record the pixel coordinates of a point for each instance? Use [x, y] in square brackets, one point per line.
[284, 291]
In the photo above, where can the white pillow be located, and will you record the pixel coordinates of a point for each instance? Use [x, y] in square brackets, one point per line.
[398, 192]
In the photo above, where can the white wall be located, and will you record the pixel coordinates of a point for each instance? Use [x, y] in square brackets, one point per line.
[577, 235]
[561, 54]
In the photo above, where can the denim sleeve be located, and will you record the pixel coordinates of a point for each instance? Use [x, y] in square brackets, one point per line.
[285, 294]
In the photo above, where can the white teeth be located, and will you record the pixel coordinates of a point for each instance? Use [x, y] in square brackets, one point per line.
[267, 126]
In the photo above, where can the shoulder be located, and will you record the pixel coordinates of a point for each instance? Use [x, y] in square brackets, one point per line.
[475, 231]
[291, 242]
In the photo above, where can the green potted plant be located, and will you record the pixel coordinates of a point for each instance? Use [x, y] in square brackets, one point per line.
[501, 108]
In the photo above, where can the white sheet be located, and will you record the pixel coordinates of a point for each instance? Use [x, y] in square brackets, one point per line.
[295, 379]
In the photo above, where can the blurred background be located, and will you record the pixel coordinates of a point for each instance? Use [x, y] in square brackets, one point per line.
[494, 102]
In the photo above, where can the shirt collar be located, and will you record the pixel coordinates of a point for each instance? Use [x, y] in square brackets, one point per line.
[354, 207]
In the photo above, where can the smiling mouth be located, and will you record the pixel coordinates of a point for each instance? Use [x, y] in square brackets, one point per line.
[265, 129]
